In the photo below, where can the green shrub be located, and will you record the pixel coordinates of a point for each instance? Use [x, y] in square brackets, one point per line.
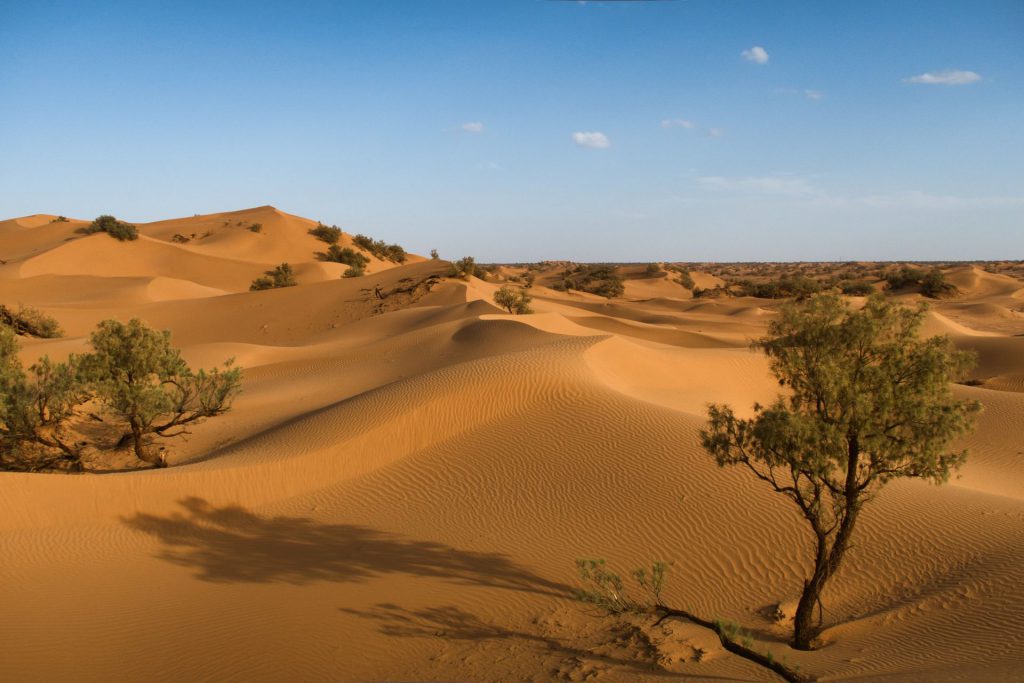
[434, 255]
[380, 249]
[934, 285]
[119, 230]
[30, 322]
[354, 271]
[465, 268]
[653, 270]
[329, 234]
[595, 279]
[932, 282]
[60, 219]
[256, 227]
[856, 288]
[346, 255]
[281, 276]
[515, 301]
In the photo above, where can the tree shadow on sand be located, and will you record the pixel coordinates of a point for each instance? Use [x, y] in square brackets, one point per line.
[233, 545]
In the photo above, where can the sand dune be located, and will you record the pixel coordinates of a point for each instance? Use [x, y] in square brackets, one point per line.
[402, 487]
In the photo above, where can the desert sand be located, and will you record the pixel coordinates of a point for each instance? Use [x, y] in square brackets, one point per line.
[402, 488]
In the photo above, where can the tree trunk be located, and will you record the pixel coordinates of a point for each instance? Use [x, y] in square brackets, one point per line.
[137, 440]
[805, 629]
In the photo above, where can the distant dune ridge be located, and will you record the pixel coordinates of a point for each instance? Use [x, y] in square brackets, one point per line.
[403, 485]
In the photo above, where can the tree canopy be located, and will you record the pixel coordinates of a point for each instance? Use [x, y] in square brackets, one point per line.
[868, 401]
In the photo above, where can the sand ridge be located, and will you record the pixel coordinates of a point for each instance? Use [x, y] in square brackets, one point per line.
[403, 486]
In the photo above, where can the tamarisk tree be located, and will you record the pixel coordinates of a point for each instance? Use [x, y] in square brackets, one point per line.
[868, 401]
[143, 380]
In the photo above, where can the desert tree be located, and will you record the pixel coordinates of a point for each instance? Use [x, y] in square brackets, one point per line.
[140, 378]
[868, 401]
[513, 300]
[35, 407]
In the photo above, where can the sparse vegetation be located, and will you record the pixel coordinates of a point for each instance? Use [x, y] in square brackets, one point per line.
[256, 227]
[434, 255]
[119, 230]
[465, 268]
[380, 249]
[605, 590]
[30, 322]
[180, 239]
[856, 288]
[346, 255]
[34, 409]
[596, 279]
[60, 219]
[869, 402]
[514, 300]
[142, 381]
[932, 282]
[653, 270]
[326, 233]
[281, 276]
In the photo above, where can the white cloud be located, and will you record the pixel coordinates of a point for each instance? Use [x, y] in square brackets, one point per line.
[756, 54]
[676, 123]
[473, 127]
[949, 77]
[773, 185]
[594, 140]
[715, 132]
[813, 94]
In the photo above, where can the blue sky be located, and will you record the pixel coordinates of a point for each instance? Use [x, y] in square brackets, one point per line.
[534, 129]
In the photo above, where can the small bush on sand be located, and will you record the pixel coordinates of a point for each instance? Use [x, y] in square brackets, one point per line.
[346, 255]
[281, 276]
[856, 288]
[256, 227]
[513, 300]
[30, 322]
[60, 219]
[380, 249]
[326, 233]
[466, 268]
[119, 230]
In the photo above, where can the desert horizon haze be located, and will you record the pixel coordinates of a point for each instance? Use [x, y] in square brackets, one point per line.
[521, 341]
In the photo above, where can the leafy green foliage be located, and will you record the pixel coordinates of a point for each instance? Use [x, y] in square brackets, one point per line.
[34, 407]
[596, 279]
[514, 300]
[869, 401]
[783, 288]
[30, 322]
[932, 282]
[346, 255]
[144, 382]
[281, 276]
[119, 230]
[856, 288]
[380, 249]
[466, 268]
[329, 234]
[605, 590]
